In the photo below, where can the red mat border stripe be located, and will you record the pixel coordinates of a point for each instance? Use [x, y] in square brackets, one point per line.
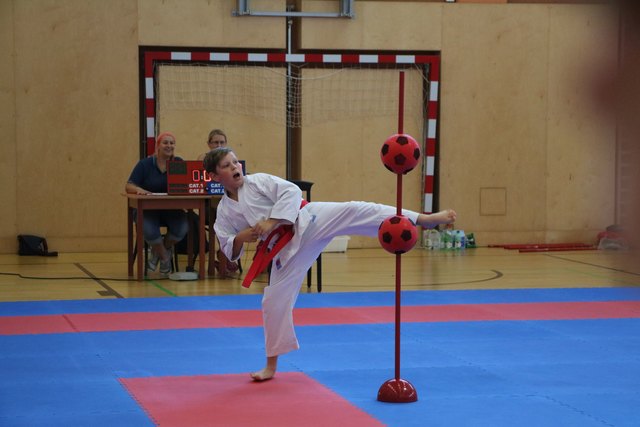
[166, 320]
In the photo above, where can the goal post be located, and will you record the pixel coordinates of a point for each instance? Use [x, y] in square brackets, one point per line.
[325, 87]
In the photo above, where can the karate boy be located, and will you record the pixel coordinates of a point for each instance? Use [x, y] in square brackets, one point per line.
[256, 205]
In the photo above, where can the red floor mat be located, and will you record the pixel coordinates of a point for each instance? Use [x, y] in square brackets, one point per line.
[290, 399]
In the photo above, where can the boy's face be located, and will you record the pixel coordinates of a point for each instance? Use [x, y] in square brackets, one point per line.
[229, 172]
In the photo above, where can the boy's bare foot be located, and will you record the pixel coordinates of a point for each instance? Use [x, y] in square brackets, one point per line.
[446, 216]
[263, 375]
[268, 371]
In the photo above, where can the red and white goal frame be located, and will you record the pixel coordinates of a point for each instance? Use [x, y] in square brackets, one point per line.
[152, 56]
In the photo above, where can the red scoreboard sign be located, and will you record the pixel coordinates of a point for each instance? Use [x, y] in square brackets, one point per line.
[186, 177]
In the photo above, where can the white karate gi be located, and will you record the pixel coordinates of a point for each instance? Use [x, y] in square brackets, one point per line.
[264, 196]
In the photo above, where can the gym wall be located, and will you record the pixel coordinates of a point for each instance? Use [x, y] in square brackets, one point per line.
[521, 157]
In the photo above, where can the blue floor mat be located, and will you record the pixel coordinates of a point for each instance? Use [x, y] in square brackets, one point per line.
[485, 373]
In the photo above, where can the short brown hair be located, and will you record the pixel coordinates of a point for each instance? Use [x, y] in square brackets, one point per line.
[213, 157]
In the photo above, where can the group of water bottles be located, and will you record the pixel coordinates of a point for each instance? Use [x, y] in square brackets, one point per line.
[448, 239]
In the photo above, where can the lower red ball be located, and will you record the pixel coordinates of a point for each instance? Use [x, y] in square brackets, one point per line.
[397, 234]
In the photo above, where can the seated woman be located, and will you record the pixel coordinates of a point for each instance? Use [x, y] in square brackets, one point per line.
[150, 176]
[217, 138]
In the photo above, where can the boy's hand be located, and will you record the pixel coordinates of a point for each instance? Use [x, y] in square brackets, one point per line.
[248, 235]
[263, 228]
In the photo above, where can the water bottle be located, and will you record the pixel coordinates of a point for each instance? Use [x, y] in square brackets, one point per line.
[428, 243]
[459, 239]
[433, 239]
[470, 241]
[456, 239]
[447, 238]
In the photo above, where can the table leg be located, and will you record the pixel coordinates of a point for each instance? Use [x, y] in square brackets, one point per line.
[129, 240]
[211, 269]
[190, 260]
[140, 242]
[203, 237]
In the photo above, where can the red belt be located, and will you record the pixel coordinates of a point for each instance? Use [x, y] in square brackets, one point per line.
[264, 256]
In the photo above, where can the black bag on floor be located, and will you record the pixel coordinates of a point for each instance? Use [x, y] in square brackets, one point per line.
[33, 245]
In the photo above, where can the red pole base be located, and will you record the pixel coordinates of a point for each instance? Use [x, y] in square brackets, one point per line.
[397, 391]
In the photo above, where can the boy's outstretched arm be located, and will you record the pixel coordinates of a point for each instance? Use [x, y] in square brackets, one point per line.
[446, 216]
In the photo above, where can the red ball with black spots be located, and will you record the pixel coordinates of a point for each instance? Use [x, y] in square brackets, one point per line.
[400, 153]
[397, 234]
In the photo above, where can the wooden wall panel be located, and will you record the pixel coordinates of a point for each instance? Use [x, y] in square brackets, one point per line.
[377, 25]
[209, 24]
[506, 118]
[628, 150]
[494, 110]
[581, 144]
[70, 100]
[8, 166]
[76, 119]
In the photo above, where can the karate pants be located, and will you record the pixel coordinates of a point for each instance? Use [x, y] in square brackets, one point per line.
[328, 221]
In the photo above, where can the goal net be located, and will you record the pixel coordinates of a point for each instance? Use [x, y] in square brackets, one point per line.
[344, 112]
[294, 95]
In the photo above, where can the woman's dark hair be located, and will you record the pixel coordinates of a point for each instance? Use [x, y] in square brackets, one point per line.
[213, 157]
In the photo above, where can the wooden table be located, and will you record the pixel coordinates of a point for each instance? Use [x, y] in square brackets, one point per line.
[140, 203]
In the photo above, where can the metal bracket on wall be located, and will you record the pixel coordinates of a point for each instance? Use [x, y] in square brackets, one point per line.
[346, 11]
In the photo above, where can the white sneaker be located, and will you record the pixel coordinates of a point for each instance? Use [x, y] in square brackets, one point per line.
[167, 266]
[152, 263]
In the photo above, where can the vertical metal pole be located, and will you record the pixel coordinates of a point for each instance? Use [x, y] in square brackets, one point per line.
[289, 106]
[398, 390]
[398, 281]
[399, 212]
[401, 103]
